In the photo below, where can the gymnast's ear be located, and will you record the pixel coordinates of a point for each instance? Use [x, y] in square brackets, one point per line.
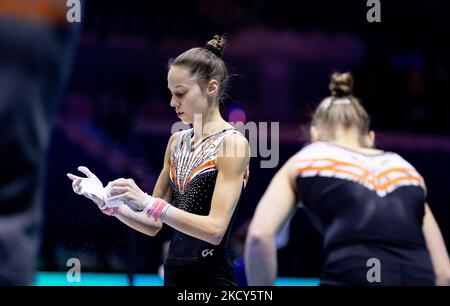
[371, 139]
[213, 87]
[314, 133]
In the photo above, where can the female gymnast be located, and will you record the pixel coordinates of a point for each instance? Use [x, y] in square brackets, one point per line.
[205, 170]
[369, 204]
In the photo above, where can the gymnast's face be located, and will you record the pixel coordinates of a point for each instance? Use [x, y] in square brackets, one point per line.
[188, 98]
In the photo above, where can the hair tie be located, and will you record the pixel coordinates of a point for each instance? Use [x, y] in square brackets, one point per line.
[215, 51]
[342, 101]
[332, 101]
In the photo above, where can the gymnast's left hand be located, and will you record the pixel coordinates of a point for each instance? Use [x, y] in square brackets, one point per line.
[127, 191]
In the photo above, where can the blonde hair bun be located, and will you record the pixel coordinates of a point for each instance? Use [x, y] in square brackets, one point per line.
[341, 85]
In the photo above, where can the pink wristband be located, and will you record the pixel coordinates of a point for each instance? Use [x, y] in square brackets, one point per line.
[111, 211]
[157, 208]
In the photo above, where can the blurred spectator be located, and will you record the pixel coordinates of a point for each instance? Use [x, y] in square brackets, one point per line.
[36, 44]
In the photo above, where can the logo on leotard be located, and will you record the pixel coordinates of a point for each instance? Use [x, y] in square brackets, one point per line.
[207, 252]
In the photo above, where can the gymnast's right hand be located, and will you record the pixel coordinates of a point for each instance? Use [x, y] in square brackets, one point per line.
[90, 186]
